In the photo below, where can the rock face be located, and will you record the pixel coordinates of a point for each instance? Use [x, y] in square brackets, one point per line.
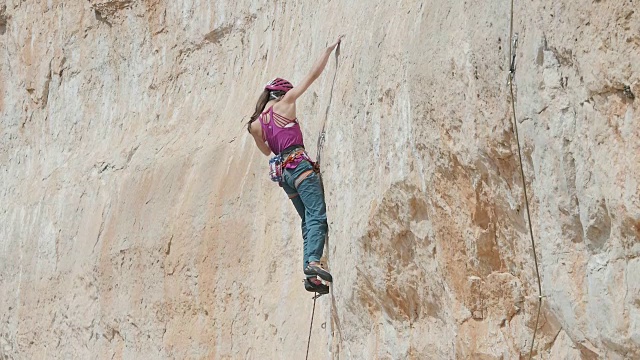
[138, 221]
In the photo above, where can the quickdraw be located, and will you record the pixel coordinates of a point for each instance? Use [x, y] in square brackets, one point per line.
[275, 168]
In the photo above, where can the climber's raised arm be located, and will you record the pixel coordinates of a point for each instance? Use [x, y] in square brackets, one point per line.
[293, 94]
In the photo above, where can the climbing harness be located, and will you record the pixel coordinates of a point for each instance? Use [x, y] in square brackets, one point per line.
[513, 40]
[277, 164]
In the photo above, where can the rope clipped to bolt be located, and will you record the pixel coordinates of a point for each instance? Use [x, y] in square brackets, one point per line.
[513, 41]
[320, 146]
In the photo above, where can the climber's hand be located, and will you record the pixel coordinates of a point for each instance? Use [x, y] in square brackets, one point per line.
[333, 46]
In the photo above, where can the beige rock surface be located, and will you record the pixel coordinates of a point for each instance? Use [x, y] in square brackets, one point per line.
[138, 222]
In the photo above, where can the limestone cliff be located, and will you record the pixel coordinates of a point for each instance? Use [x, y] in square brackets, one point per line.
[138, 221]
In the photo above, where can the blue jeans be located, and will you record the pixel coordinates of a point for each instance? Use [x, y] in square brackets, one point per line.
[308, 200]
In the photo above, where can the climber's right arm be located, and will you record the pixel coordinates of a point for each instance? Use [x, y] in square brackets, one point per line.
[256, 132]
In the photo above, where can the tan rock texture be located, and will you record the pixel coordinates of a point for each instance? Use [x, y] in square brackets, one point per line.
[138, 220]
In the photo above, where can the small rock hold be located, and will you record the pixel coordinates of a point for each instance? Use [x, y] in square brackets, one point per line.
[627, 92]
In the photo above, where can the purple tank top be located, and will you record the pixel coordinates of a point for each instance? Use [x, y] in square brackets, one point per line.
[280, 132]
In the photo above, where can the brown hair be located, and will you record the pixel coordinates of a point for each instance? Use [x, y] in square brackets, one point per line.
[262, 102]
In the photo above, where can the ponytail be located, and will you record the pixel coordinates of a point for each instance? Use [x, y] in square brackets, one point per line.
[264, 98]
[262, 102]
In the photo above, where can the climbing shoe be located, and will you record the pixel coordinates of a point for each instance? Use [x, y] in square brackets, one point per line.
[318, 271]
[312, 287]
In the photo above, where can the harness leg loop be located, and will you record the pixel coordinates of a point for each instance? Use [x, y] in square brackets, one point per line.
[301, 178]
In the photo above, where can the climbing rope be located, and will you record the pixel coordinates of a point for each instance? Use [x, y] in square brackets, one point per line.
[320, 146]
[311, 326]
[326, 113]
[513, 41]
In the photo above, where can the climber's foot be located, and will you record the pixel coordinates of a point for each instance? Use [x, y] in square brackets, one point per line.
[315, 285]
[314, 268]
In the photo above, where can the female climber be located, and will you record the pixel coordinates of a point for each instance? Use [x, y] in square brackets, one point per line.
[277, 130]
